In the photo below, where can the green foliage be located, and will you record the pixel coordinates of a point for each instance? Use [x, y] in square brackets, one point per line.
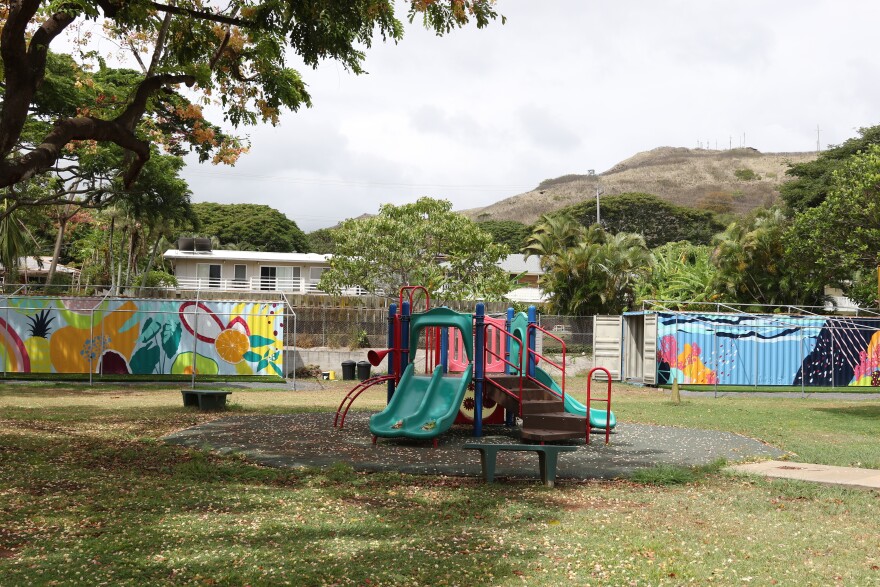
[13, 244]
[746, 174]
[752, 264]
[258, 227]
[321, 241]
[233, 56]
[161, 279]
[507, 233]
[404, 245]
[656, 220]
[814, 180]
[588, 271]
[682, 272]
[839, 239]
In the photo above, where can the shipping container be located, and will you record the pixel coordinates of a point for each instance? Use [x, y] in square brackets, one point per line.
[742, 349]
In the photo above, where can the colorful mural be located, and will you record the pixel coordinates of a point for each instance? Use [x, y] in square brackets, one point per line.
[748, 349]
[124, 336]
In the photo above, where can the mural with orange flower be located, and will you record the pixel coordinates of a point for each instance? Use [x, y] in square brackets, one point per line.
[126, 336]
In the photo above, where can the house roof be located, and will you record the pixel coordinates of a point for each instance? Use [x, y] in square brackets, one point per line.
[40, 266]
[527, 295]
[225, 255]
[517, 263]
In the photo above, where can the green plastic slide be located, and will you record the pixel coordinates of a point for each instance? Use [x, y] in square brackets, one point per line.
[422, 406]
[572, 406]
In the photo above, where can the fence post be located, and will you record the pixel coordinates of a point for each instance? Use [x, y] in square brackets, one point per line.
[831, 327]
[91, 341]
[717, 350]
[803, 392]
[7, 330]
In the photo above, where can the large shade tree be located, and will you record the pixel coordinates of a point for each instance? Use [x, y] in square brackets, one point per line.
[838, 241]
[424, 243]
[233, 54]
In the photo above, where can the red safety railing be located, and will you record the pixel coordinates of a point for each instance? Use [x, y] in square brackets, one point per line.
[538, 355]
[352, 395]
[607, 400]
[487, 351]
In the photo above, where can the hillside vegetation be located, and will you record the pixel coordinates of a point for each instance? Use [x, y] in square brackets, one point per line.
[736, 180]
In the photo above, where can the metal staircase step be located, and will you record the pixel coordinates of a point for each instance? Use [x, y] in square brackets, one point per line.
[542, 406]
[547, 435]
[559, 421]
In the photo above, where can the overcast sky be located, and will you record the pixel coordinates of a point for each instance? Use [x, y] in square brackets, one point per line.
[565, 86]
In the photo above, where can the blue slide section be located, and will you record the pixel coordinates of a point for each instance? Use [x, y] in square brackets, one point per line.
[423, 406]
[572, 406]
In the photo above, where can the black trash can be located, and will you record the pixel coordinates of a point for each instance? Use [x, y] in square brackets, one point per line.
[363, 370]
[348, 368]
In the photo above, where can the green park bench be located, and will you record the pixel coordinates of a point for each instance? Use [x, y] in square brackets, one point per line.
[548, 455]
[205, 399]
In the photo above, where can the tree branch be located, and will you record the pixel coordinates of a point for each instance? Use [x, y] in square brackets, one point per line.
[160, 44]
[24, 65]
[200, 15]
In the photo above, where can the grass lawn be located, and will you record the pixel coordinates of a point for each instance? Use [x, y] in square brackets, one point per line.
[90, 496]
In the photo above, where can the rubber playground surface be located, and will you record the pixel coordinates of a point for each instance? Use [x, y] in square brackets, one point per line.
[309, 439]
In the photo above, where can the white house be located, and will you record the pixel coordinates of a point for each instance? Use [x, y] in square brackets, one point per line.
[248, 270]
[299, 273]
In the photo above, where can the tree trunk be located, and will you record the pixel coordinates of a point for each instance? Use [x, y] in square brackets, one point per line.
[150, 261]
[118, 280]
[110, 251]
[56, 251]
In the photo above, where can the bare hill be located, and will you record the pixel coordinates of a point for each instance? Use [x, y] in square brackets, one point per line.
[740, 178]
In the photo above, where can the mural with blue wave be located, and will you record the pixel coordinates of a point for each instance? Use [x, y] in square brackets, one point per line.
[768, 350]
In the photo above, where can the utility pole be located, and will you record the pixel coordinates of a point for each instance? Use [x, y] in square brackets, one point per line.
[599, 192]
[818, 146]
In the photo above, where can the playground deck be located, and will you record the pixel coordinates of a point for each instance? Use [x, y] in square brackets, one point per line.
[309, 439]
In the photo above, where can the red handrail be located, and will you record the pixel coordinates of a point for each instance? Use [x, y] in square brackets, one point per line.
[545, 359]
[517, 366]
[432, 336]
[607, 400]
[353, 395]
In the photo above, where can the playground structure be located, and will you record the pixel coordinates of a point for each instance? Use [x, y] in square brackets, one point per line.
[498, 356]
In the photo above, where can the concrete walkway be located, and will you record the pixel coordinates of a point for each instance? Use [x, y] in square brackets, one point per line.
[846, 476]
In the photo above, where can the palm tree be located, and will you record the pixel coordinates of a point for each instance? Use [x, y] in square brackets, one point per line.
[552, 235]
[13, 245]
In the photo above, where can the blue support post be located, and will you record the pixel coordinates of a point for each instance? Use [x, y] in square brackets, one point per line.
[392, 344]
[533, 319]
[479, 344]
[507, 342]
[507, 368]
[444, 349]
[404, 336]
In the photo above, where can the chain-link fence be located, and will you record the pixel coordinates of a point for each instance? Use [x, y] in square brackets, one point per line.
[368, 328]
[575, 331]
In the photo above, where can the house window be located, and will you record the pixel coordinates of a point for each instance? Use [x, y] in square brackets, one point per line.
[315, 276]
[267, 278]
[208, 274]
[288, 278]
[240, 274]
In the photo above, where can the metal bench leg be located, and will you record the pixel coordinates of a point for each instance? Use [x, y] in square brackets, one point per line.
[487, 461]
[547, 464]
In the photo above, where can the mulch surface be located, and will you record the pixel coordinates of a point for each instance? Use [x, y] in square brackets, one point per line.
[309, 439]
